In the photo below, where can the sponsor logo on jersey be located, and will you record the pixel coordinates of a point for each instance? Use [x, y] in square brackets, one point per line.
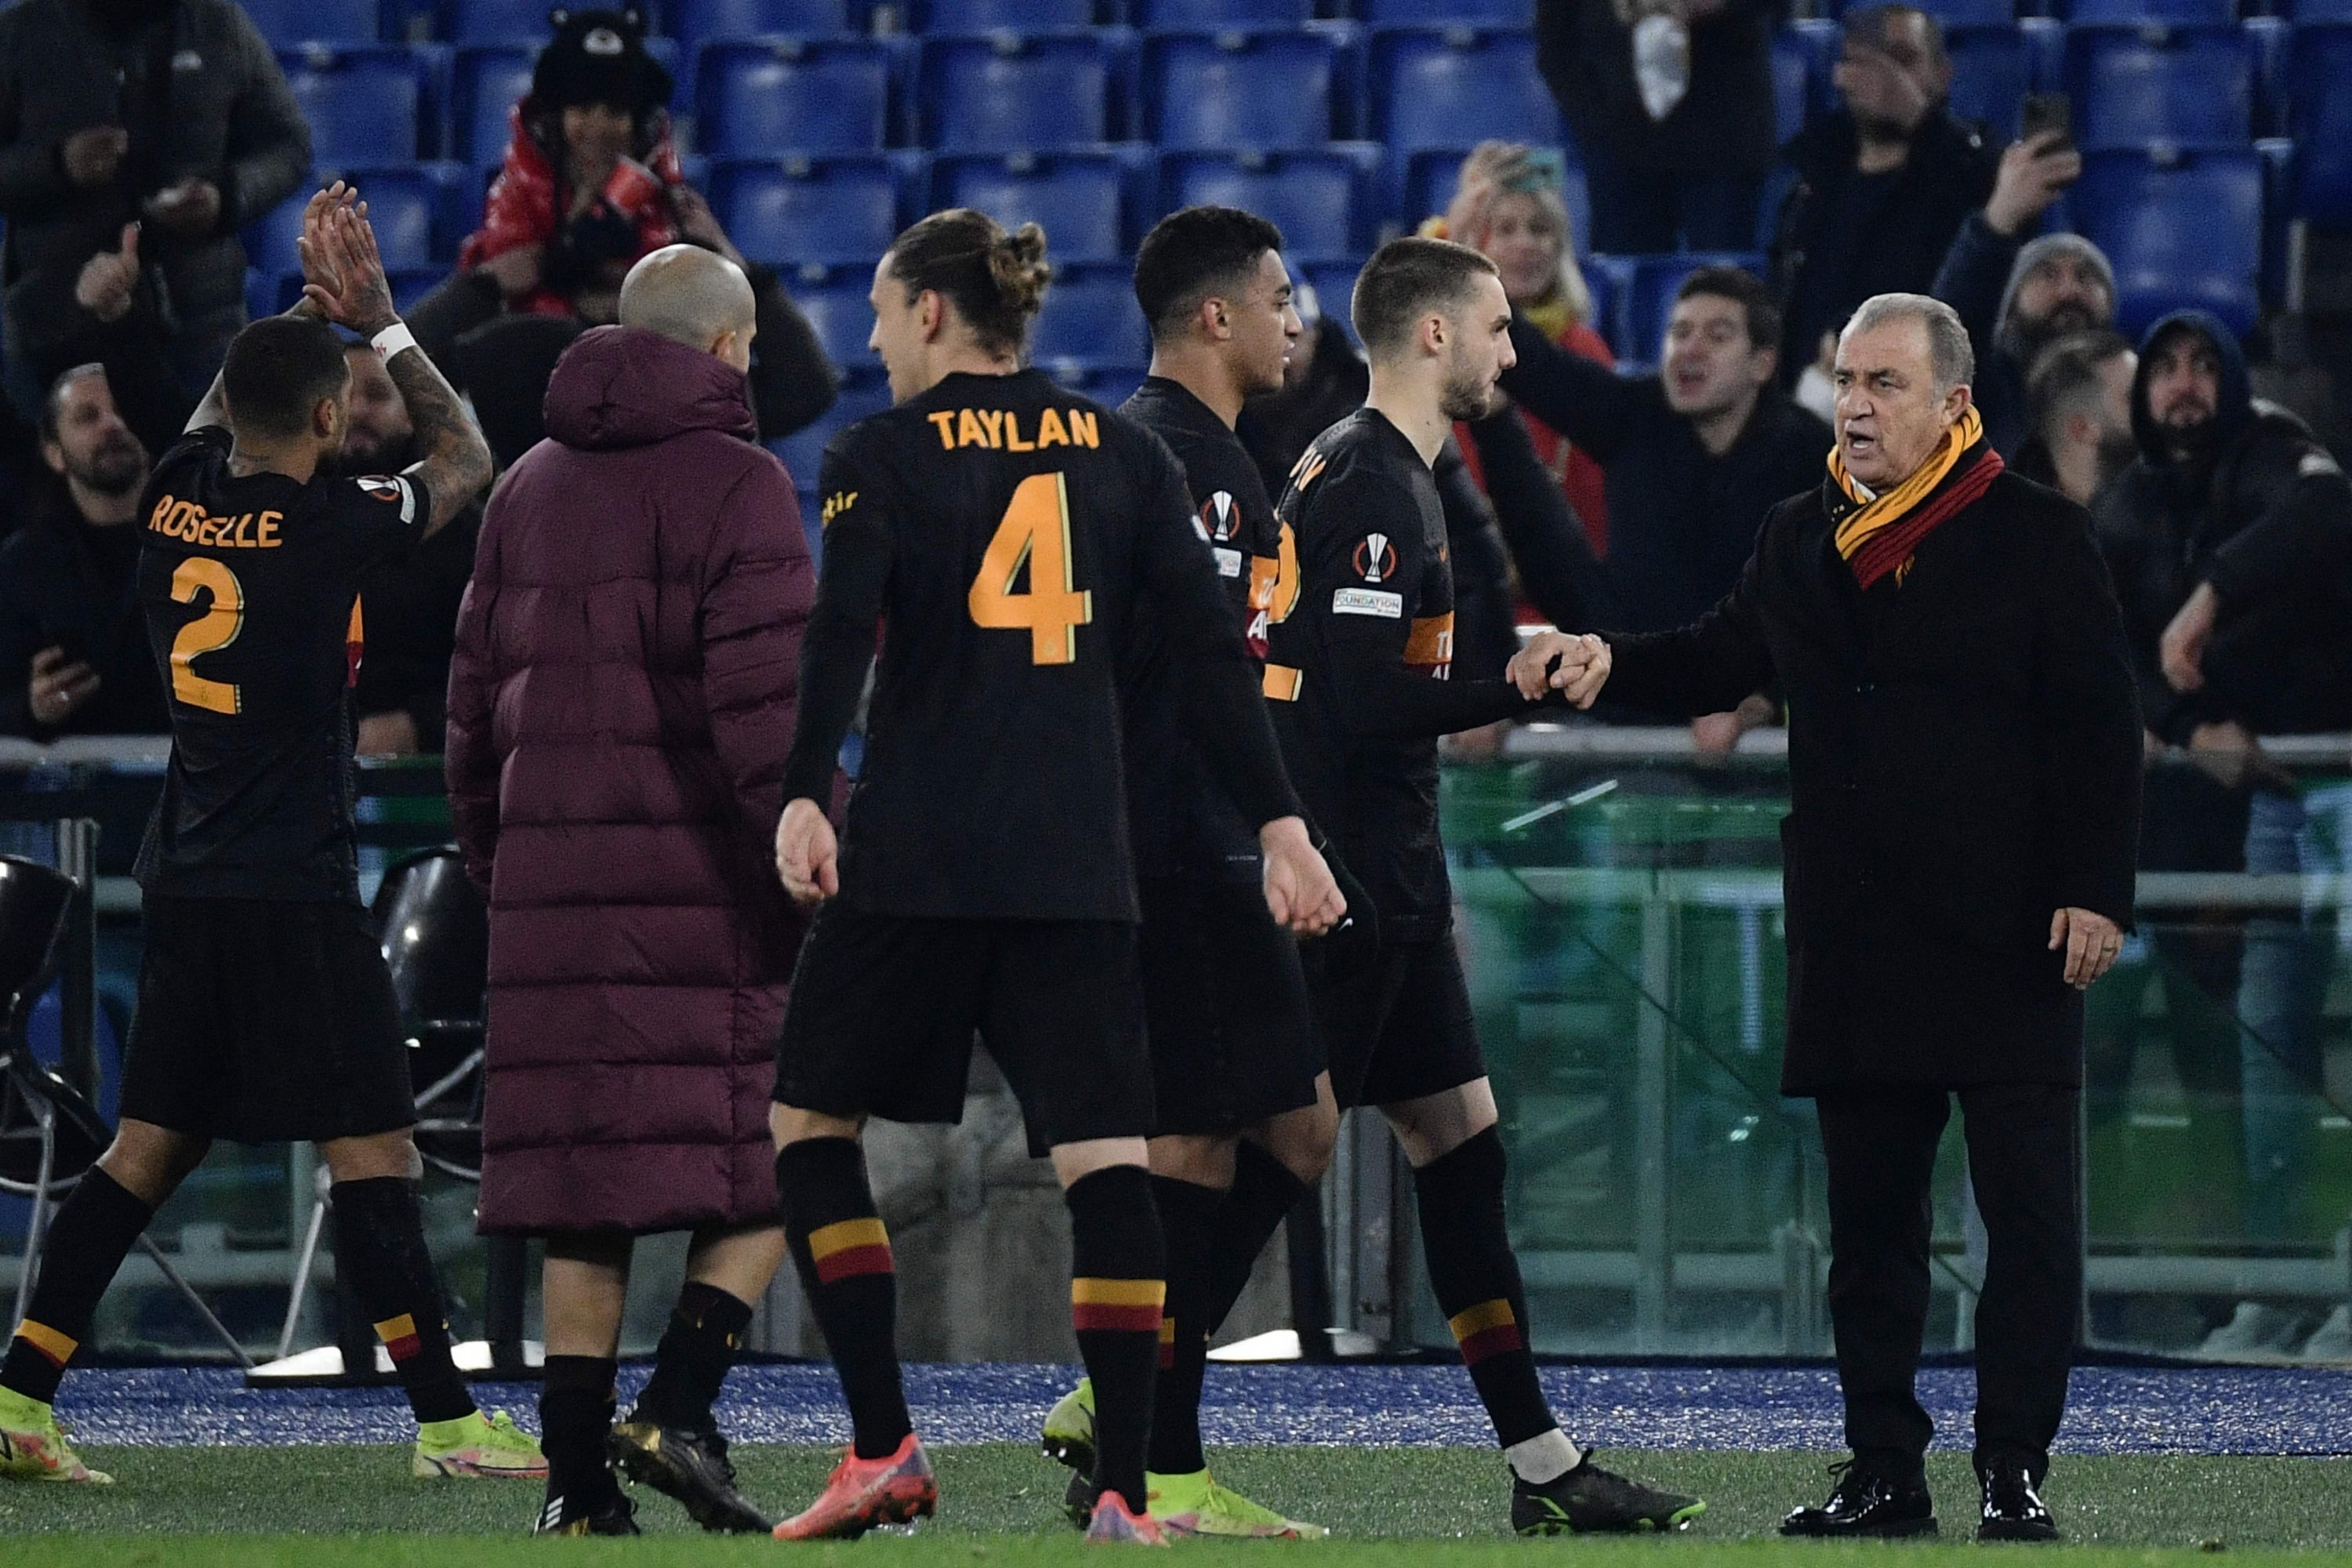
[1375, 558]
[834, 505]
[1367, 602]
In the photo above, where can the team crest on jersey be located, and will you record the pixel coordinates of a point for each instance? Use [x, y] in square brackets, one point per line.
[1220, 519]
[1375, 558]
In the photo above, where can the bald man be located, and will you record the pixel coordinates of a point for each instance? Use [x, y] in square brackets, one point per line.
[621, 704]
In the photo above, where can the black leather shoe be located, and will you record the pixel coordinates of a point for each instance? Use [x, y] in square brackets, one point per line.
[2014, 1509]
[691, 1466]
[1867, 1502]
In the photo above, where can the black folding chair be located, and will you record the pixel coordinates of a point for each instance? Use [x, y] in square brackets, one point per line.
[49, 1134]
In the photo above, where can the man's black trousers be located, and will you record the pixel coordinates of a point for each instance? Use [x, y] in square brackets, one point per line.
[1881, 1147]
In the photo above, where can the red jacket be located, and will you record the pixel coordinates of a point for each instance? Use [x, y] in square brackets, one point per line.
[527, 204]
[621, 702]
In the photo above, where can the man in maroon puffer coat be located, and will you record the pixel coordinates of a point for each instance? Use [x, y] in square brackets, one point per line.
[621, 703]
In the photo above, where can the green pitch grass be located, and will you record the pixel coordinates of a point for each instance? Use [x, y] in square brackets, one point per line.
[261, 1508]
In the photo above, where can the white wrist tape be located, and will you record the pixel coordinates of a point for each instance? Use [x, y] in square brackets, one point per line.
[392, 340]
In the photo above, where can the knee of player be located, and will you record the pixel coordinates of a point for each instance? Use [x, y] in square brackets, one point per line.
[149, 1161]
[1302, 1140]
[374, 1156]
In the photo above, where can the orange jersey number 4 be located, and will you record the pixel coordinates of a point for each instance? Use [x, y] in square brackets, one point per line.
[1034, 532]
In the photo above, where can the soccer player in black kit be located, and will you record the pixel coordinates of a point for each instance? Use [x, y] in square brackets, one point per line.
[1246, 1114]
[1361, 678]
[1004, 532]
[265, 1009]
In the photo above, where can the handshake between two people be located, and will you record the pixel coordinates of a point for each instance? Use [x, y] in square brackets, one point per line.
[1573, 667]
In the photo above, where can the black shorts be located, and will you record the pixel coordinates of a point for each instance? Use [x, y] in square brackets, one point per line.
[884, 1009]
[1396, 1022]
[265, 1021]
[1233, 1034]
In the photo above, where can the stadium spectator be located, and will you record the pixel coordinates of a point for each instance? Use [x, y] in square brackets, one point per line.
[2231, 541]
[1507, 206]
[2017, 295]
[620, 705]
[1695, 454]
[2079, 415]
[1948, 901]
[173, 112]
[1882, 184]
[408, 609]
[1671, 102]
[591, 184]
[71, 631]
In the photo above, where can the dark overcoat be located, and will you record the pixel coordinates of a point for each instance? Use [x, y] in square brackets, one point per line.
[1964, 761]
[620, 706]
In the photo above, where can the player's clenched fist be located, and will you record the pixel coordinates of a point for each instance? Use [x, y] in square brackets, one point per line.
[1300, 891]
[808, 856]
[1575, 667]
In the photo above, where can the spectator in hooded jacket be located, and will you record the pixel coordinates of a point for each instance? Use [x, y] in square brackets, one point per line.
[2232, 544]
[1882, 184]
[111, 111]
[590, 184]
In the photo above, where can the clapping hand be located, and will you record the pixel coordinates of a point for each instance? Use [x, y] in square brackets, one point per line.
[342, 271]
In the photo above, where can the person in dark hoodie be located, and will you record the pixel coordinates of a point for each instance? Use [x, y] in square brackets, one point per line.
[2231, 539]
[1882, 184]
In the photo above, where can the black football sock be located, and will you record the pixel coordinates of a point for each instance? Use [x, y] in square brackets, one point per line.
[1188, 1223]
[1117, 1286]
[100, 1222]
[1476, 1280]
[380, 1248]
[575, 1418]
[1264, 1192]
[844, 1256]
[696, 1352]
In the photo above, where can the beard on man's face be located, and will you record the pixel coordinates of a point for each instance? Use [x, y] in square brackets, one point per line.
[1466, 395]
[2064, 317]
[366, 452]
[117, 468]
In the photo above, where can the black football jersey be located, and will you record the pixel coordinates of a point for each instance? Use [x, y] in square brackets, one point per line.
[1375, 599]
[1001, 531]
[1183, 825]
[249, 587]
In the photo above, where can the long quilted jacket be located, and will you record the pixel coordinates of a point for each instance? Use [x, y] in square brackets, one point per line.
[620, 706]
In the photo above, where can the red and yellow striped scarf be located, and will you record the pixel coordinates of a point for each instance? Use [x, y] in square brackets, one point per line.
[1879, 533]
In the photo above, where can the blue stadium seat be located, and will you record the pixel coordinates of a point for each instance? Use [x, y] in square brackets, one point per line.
[2320, 73]
[486, 85]
[763, 98]
[842, 208]
[2132, 13]
[1013, 93]
[496, 21]
[1440, 87]
[1646, 297]
[2181, 229]
[1431, 174]
[864, 392]
[2134, 86]
[365, 104]
[1079, 199]
[1090, 318]
[2312, 12]
[695, 21]
[409, 284]
[1993, 71]
[1950, 13]
[1446, 12]
[1794, 58]
[2271, 37]
[289, 22]
[1334, 283]
[1223, 90]
[834, 301]
[1175, 16]
[1109, 385]
[1005, 15]
[1319, 199]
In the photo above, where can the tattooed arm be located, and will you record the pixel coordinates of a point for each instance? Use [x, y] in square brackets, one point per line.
[346, 281]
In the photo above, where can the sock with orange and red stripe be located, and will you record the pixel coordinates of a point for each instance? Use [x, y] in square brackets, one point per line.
[94, 1228]
[1475, 1277]
[380, 1248]
[1118, 1286]
[844, 1256]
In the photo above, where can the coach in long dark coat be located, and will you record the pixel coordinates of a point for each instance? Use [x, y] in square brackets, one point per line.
[1964, 756]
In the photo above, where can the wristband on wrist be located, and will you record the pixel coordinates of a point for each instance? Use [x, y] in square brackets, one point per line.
[392, 340]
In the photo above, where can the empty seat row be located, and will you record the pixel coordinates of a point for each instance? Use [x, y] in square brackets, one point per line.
[289, 22]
